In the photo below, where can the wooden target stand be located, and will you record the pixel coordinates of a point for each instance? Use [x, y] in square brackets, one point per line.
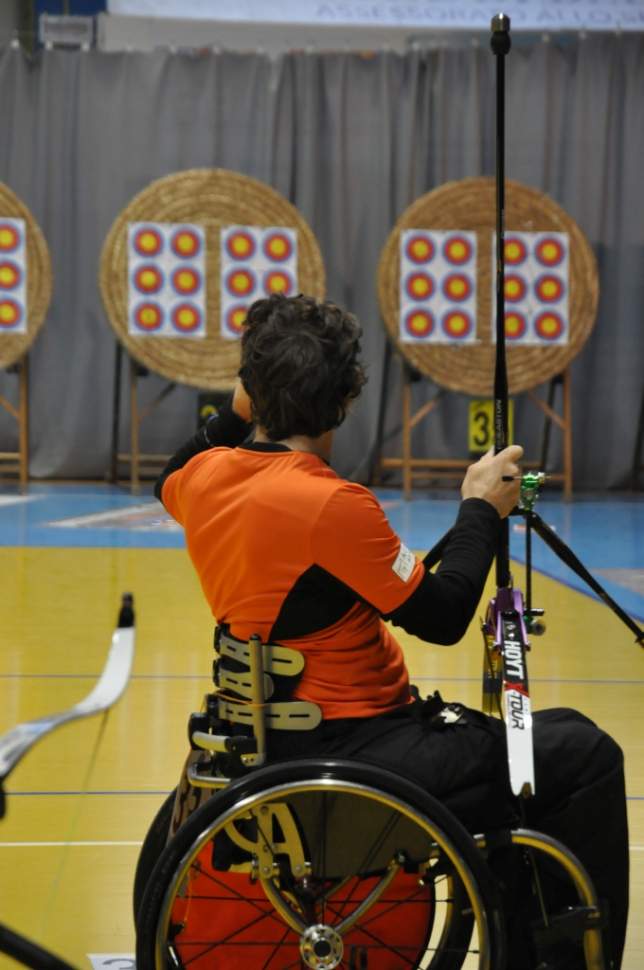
[469, 205]
[14, 346]
[212, 198]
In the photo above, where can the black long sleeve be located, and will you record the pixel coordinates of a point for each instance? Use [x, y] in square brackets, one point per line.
[442, 605]
[224, 428]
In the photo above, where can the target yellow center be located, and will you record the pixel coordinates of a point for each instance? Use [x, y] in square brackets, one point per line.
[148, 317]
[148, 242]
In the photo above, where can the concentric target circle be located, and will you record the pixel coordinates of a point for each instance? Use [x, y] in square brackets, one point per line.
[419, 249]
[457, 324]
[514, 287]
[240, 244]
[457, 250]
[148, 241]
[186, 280]
[278, 281]
[9, 237]
[515, 251]
[236, 318]
[241, 282]
[549, 325]
[458, 287]
[419, 286]
[516, 325]
[419, 323]
[277, 246]
[11, 274]
[549, 288]
[185, 243]
[148, 279]
[186, 317]
[148, 316]
[11, 313]
[549, 251]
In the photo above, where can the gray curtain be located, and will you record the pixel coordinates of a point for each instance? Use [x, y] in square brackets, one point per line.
[351, 140]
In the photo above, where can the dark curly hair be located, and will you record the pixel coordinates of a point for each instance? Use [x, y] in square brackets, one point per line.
[299, 365]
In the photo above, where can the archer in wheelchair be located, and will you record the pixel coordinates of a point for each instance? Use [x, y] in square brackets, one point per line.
[328, 816]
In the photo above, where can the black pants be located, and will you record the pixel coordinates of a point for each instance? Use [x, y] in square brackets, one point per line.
[580, 798]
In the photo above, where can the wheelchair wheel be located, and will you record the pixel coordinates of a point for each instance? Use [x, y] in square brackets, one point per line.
[153, 845]
[314, 864]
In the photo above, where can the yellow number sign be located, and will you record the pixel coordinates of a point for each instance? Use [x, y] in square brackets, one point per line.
[481, 425]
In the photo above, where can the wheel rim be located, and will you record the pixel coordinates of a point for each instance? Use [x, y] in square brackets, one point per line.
[257, 882]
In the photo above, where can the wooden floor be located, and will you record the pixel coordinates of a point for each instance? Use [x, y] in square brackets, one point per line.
[79, 803]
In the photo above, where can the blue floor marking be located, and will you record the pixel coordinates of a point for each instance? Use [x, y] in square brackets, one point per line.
[28, 523]
[604, 532]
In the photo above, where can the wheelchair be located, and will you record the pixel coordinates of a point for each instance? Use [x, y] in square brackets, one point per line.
[317, 863]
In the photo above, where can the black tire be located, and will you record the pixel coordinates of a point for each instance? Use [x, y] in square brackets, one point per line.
[174, 905]
[154, 844]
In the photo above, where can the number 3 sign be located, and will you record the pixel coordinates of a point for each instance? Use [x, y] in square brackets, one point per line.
[481, 425]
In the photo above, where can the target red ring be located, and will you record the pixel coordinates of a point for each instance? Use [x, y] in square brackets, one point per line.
[186, 317]
[549, 251]
[278, 247]
[515, 325]
[240, 244]
[148, 316]
[457, 250]
[419, 286]
[185, 243]
[11, 275]
[549, 288]
[11, 313]
[241, 282]
[10, 238]
[148, 241]
[236, 318]
[457, 324]
[148, 279]
[457, 287]
[278, 281]
[419, 249]
[186, 280]
[515, 251]
[419, 323]
[549, 326]
[515, 287]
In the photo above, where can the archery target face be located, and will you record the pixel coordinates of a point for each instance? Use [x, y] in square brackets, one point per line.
[255, 263]
[13, 276]
[167, 289]
[437, 286]
[536, 287]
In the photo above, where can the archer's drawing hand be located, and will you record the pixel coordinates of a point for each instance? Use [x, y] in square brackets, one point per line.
[241, 402]
[483, 479]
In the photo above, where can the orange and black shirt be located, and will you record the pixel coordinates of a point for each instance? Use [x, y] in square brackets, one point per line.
[287, 549]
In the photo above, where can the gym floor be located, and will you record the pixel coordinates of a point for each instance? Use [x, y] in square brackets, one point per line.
[79, 804]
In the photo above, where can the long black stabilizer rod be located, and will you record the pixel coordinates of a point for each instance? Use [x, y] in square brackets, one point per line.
[500, 43]
[567, 556]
